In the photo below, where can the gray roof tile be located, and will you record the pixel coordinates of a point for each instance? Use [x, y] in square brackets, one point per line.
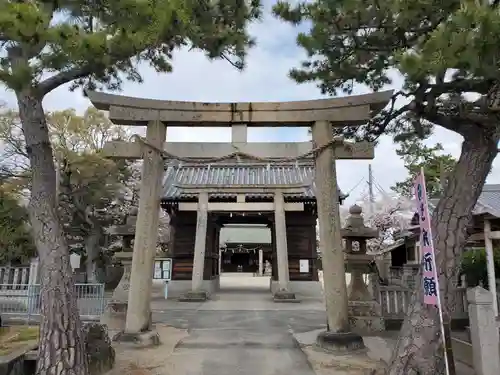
[487, 203]
[240, 174]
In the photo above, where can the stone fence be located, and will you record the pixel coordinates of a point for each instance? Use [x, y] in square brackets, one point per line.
[394, 301]
[483, 351]
[15, 279]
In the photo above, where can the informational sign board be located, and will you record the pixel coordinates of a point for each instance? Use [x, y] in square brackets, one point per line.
[163, 269]
[304, 265]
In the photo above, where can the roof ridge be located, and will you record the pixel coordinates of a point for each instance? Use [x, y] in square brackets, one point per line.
[243, 165]
[491, 188]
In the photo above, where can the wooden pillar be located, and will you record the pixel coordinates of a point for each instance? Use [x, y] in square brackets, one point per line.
[329, 225]
[146, 233]
[488, 244]
[274, 258]
[283, 292]
[281, 244]
[200, 242]
[217, 248]
[261, 262]
[220, 261]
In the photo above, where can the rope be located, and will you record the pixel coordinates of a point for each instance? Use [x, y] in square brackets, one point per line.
[355, 186]
[336, 141]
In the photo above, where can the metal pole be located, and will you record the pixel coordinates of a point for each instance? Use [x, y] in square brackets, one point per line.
[370, 189]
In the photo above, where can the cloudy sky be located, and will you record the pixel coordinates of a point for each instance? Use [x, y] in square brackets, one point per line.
[265, 79]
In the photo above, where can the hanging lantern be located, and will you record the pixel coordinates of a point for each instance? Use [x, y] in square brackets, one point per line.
[74, 261]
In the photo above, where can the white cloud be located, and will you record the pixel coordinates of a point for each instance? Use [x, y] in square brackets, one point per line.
[265, 79]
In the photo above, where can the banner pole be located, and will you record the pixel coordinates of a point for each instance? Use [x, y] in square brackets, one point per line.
[429, 267]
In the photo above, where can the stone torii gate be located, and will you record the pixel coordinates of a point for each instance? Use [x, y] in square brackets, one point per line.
[321, 115]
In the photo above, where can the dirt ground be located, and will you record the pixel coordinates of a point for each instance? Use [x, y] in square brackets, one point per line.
[149, 361]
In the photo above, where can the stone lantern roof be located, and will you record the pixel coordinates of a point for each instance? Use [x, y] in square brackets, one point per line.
[355, 228]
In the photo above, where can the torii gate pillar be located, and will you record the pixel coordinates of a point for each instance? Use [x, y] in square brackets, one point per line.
[146, 233]
[338, 335]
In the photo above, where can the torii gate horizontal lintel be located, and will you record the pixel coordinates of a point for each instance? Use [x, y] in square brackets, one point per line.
[198, 150]
[341, 111]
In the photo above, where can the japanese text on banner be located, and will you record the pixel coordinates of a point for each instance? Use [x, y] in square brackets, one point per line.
[430, 282]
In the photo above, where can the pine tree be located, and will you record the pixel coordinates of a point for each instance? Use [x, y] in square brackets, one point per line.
[447, 54]
[45, 44]
[436, 165]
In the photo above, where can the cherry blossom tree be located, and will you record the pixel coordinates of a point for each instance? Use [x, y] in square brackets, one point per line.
[389, 213]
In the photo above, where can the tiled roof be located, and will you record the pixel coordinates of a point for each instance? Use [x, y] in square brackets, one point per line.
[487, 203]
[238, 174]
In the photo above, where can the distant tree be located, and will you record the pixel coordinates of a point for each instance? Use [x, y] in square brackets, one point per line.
[88, 183]
[14, 162]
[89, 187]
[436, 165]
[16, 242]
[388, 214]
[474, 266]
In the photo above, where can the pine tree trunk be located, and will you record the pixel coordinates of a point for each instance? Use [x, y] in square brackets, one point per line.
[419, 349]
[61, 350]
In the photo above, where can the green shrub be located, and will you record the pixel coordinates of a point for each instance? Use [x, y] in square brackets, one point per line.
[474, 267]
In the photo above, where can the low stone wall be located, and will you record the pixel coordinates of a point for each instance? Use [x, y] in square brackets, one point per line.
[13, 365]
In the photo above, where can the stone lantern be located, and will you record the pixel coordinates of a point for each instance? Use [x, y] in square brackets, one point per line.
[365, 314]
[116, 310]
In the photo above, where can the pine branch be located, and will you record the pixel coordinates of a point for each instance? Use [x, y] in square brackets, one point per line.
[61, 78]
[5, 75]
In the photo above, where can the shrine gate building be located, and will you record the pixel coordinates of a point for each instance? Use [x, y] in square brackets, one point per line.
[205, 186]
[242, 207]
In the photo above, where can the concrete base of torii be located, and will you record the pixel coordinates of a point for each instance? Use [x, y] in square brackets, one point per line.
[285, 296]
[194, 296]
[336, 342]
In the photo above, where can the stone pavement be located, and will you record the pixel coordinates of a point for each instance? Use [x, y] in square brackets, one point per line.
[243, 332]
[239, 291]
[379, 349]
